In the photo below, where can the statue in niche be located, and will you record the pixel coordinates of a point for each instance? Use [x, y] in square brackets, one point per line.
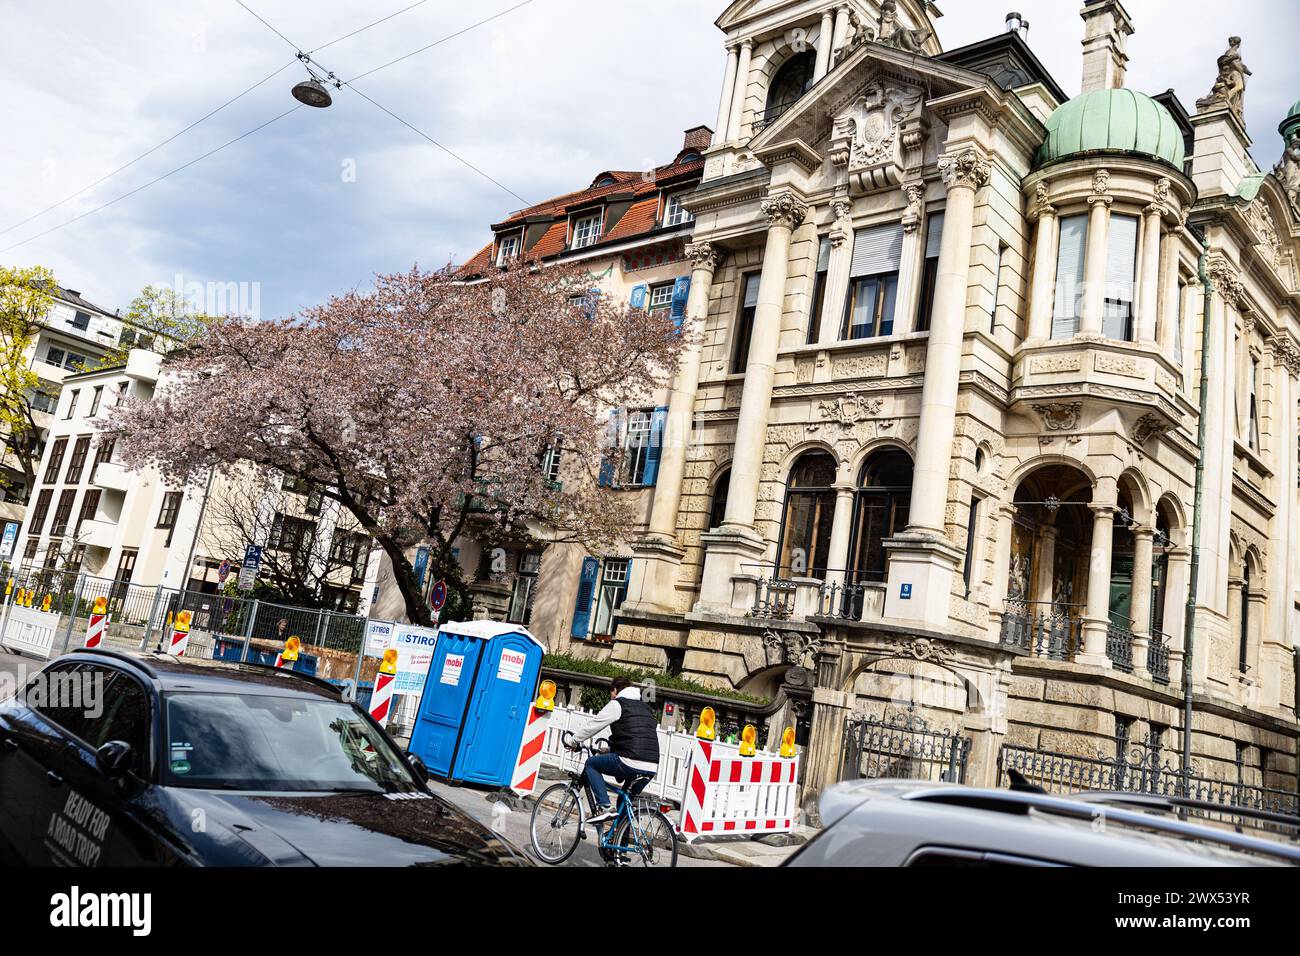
[895, 35]
[1230, 88]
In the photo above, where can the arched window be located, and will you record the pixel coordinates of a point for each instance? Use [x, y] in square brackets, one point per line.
[718, 506]
[792, 81]
[884, 499]
[809, 511]
[1243, 656]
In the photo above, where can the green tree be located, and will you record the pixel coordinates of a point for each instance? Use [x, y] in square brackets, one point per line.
[26, 295]
[157, 313]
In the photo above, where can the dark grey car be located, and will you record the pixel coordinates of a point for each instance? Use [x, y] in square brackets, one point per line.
[919, 823]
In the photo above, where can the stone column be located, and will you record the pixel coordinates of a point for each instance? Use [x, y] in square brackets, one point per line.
[911, 259]
[1284, 361]
[837, 272]
[1041, 589]
[736, 542]
[739, 90]
[1220, 428]
[837, 559]
[1171, 312]
[922, 560]
[654, 573]
[1140, 603]
[1042, 291]
[824, 40]
[1001, 565]
[1149, 290]
[1094, 258]
[728, 92]
[1097, 616]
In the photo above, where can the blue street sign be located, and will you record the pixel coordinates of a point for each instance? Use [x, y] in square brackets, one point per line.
[421, 564]
[253, 556]
[438, 596]
[10, 536]
[905, 592]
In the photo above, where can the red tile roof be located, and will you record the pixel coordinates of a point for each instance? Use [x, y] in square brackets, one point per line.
[641, 217]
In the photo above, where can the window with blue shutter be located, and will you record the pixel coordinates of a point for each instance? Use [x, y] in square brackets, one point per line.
[612, 432]
[593, 296]
[681, 291]
[582, 605]
[638, 297]
[657, 423]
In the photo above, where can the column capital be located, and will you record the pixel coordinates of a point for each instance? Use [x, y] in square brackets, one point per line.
[1225, 279]
[967, 168]
[1286, 352]
[748, 42]
[704, 256]
[785, 209]
[1042, 207]
[1143, 531]
[1102, 510]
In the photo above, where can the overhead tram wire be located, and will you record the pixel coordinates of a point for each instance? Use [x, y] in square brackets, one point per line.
[274, 119]
[307, 59]
[206, 116]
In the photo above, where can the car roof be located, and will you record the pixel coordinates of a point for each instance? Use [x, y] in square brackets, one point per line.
[906, 815]
[173, 674]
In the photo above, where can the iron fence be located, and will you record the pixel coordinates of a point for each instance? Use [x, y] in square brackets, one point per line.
[1138, 769]
[903, 747]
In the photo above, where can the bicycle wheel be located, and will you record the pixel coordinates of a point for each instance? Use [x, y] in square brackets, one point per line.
[557, 822]
[651, 841]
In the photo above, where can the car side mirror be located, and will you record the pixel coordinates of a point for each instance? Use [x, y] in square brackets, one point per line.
[114, 758]
[418, 766]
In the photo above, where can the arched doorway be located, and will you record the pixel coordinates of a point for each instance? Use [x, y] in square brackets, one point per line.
[792, 80]
[809, 513]
[1047, 577]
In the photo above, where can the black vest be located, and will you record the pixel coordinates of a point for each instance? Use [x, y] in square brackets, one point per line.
[633, 736]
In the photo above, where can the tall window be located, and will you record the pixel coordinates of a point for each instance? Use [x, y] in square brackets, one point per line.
[95, 397]
[103, 453]
[636, 446]
[72, 403]
[718, 506]
[521, 600]
[89, 505]
[1243, 648]
[884, 501]
[63, 512]
[972, 525]
[78, 461]
[171, 506]
[873, 284]
[53, 466]
[613, 588]
[745, 323]
[792, 80]
[819, 290]
[1178, 318]
[39, 514]
[1121, 266]
[930, 272]
[586, 231]
[1252, 408]
[997, 288]
[1069, 277]
[809, 512]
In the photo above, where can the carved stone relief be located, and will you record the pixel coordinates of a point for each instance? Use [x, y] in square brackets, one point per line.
[1060, 416]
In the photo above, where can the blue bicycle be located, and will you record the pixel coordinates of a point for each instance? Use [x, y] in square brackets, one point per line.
[640, 834]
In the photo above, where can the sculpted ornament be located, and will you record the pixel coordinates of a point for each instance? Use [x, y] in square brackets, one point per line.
[966, 168]
[785, 209]
[1225, 279]
[915, 193]
[893, 34]
[1060, 416]
[705, 255]
[1230, 87]
[1148, 427]
[922, 649]
[870, 127]
[796, 648]
[850, 409]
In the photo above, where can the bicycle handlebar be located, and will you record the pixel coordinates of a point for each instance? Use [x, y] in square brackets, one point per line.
[594, 747]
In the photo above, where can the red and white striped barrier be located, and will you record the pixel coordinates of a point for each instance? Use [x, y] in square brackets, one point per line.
[180, 633]
[98, 623]
[529, 761]
[381, 697]
[733, 795]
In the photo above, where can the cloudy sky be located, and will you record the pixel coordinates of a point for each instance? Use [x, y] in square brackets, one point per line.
[539, 99]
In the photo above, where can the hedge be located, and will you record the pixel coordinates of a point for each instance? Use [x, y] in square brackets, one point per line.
[667, 681]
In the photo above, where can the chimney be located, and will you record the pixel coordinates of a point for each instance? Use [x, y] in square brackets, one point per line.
[1018, 24]
[1106, 29]
[698, 138]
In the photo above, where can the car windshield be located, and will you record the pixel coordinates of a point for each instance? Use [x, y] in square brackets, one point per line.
[259, 742]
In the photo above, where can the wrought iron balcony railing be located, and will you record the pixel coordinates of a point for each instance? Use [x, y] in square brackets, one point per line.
[1158, 657]
[1119, 643]
[1043, 629]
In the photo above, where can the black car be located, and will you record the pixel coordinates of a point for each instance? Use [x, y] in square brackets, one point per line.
[110, 759]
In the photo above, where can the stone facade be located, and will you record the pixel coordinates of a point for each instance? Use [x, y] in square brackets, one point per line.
[1035, 372]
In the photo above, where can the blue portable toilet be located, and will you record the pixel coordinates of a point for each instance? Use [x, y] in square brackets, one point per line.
[481, 684]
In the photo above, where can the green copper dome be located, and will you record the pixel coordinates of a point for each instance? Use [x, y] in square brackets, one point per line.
[1292, 121]
[1112, 121]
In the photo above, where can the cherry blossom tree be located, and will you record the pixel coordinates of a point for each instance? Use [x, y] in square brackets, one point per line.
[428, 408]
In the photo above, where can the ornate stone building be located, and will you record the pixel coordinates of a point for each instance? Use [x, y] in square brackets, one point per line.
[962, 348]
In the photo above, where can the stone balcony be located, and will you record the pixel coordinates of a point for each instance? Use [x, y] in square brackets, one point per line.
[112, 476]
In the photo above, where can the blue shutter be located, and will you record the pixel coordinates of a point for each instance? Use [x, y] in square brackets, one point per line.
[586, 591]
[681, 291]
[637, 300]
[657, 422]
[593, 296]
[613, 429]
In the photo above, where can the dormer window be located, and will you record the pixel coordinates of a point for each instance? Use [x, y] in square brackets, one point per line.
[507, 249]
[586, 230]
[605, 181]
[675, 214]
[689, 158]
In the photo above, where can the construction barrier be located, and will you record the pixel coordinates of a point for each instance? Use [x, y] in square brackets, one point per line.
[529, 761]
[180, 634]
[98, 623]
[382, 695]
[731, 795]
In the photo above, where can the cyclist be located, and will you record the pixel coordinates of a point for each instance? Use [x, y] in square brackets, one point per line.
[633, 741]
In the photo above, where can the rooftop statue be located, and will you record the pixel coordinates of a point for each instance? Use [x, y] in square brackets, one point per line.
[1229, 89]
[1287, 170]
[893, 34]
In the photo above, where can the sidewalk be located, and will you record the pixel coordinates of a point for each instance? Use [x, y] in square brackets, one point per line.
[514, 825]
